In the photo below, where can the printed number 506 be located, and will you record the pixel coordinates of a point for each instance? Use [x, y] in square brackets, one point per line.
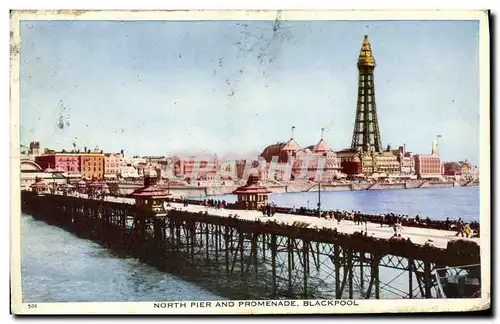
[31, 306]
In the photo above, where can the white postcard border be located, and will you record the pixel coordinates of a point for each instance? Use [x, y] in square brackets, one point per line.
[364, 306]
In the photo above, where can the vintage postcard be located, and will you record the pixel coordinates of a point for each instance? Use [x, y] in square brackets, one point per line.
[250, 162]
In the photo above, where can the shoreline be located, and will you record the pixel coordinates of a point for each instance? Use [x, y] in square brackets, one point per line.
[220, 190]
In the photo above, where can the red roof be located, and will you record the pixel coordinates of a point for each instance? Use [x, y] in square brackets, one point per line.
[150, 191]
[291, 145]
[252, 189]
[95, 184]
[39, 184]
[321, 147]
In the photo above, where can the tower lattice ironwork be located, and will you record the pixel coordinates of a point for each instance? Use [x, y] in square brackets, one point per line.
[366, 134]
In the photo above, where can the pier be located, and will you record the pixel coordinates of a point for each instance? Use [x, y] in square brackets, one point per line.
[288, 256]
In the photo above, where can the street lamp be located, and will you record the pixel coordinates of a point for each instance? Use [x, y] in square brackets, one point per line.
[319, 199]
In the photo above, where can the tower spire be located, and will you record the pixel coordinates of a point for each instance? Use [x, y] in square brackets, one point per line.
[365, 56]
[366, 134]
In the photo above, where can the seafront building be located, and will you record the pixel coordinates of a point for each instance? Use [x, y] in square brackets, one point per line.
[89, 164]
[461, 170]
[304, 163]
[428, 166]
[31, 171]
[113, 163]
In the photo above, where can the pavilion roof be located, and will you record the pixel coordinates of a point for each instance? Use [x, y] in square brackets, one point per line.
[96, 184]
[150, 191]
[250, 189]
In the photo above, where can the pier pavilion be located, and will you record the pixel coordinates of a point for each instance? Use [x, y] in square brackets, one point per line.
[150, 198]
[251, 196]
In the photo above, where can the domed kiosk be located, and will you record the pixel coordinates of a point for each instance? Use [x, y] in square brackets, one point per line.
[251, 196]
[151, 198]
[39, 187]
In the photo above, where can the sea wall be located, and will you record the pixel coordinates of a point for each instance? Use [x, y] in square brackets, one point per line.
[204, 191]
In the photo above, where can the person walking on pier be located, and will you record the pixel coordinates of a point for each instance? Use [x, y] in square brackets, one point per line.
[467, 230]
[447, 223]
[397, 228]
[460, 228]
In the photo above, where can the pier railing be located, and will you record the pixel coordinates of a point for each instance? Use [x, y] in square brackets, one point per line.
[379, 219]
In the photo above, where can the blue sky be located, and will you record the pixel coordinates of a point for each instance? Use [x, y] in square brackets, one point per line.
[231, 88]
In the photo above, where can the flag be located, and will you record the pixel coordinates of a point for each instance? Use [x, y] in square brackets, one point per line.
[439, 136]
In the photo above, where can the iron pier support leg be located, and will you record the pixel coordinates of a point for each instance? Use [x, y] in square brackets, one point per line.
[226, 249]
[377, 281]
[410, 278]
[350, 269]
[193, 234]
[305, 254]
[290, 256]
[254, 251]
[308, 245]
[317, 256]
[207, 233]
[241, 252]
[264, 247]
[172, 235]
[427, 279]
[361, 274]
[273, 262]
[336, 255]
[220, 237]
[216, 230]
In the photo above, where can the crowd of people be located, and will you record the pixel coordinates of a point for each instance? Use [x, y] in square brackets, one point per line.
[214, 203]
[396, 221]
[391, 219]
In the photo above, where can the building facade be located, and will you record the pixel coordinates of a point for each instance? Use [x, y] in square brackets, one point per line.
[380, 163]
[407, 163]
[317, 163]
[194, 168]
[281, 152]
[246, 168]
[429, 166]
[129, 172]
[92, 166]
[451, 169]
[68, 162]
[113, 163]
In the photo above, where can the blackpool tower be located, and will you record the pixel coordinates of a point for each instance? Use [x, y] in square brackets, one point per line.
[366, 134]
